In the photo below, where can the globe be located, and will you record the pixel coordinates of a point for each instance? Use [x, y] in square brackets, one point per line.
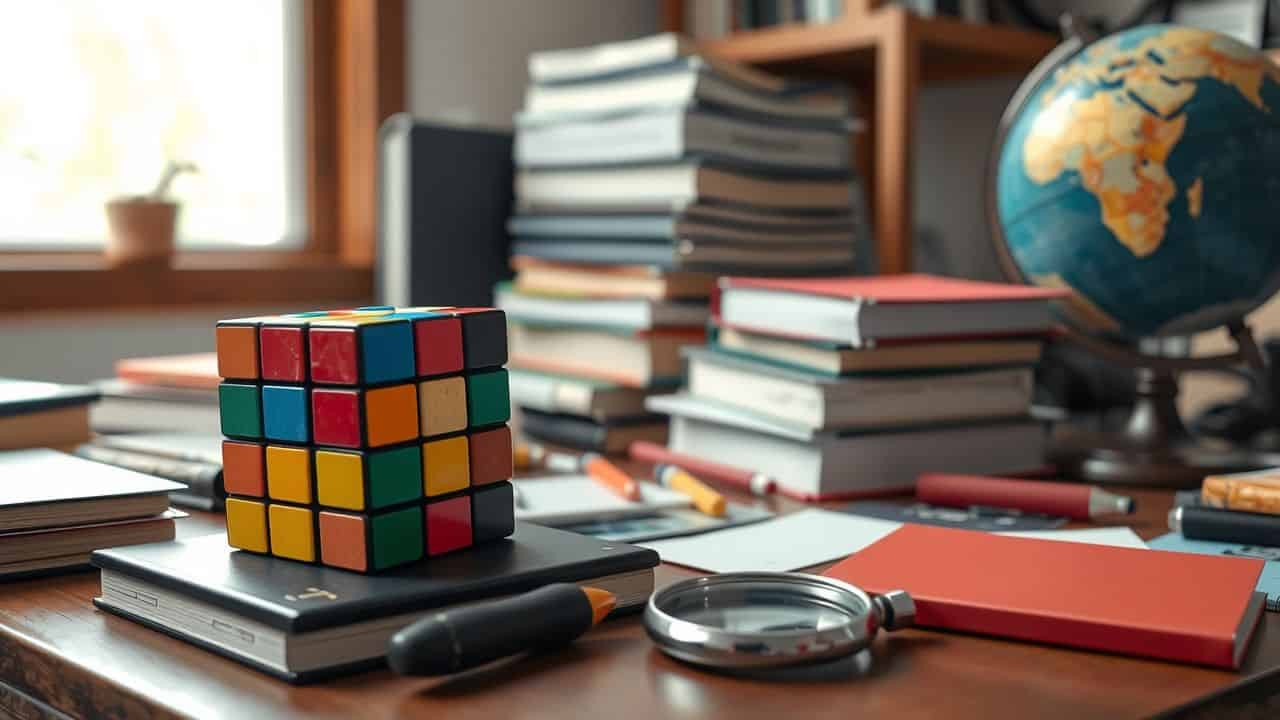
[1142, 174]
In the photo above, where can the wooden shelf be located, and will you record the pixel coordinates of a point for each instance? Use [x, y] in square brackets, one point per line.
[885, 54]
[950, 48]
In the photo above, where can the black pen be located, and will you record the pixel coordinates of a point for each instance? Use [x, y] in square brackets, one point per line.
[1201, 523]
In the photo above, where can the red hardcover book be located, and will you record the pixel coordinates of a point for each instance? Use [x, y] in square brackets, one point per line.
[861, 311]
[1197, 609]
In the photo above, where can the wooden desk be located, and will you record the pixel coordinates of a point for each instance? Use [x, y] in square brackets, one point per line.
[57, 649]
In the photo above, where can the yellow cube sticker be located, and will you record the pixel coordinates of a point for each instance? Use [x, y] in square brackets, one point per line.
[247, 525]
[292, 534]
[340, 479]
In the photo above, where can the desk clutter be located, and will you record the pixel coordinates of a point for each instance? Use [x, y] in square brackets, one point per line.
[366, 438]
[57, 508]
[804, 378]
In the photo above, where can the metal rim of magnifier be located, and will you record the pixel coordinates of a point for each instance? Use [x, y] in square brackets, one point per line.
[716, 647]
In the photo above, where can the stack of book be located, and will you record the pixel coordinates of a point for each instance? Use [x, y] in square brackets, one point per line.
[643, 170]
[57, 509]
[160, 394]
[853, 386]
[43, 414]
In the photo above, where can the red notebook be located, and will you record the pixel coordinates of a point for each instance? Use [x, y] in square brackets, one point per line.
[861, 311]
[1198, 609]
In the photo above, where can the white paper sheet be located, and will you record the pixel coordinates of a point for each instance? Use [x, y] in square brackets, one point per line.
[563, 499]
[1114, 536]
[789, 542]
[812, 537]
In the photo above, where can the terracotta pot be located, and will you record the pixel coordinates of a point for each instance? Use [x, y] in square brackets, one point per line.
[141, 231]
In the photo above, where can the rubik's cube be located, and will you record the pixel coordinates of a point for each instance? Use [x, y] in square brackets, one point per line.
[366, 438]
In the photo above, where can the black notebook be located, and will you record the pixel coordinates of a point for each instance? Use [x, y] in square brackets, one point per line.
[303, 622]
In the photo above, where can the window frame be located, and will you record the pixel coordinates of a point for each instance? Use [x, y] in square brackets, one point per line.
[354, 59]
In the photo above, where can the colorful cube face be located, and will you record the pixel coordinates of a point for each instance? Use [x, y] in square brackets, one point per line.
[365, 438]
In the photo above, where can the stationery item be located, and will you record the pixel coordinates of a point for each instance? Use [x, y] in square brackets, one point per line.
[610, 436]
[595, 399]
[632, 359]
[705, 499]
[73, 544]
[611, 476]
[609, 59]
[304, 622]
[631, 314]
[1123, 536]
[1268, 582]
[560, 500]
[766, 620]
[673, 185]
[835, 359]
[1087, 596]
[43, 414]
[834, 465]
[865, 311]
[678, 84]
[668, 523]
[203, 488]
[623, 281]
[1257, 492]
[1207, 523]
[746, 480]
[1073, 500]
[664, 134]
[47, 489]
[529, 456]
[876, 402]
[788, 542]
[197, 371]
[459, 639]
[444, 193]
[991, 519]
[691, 254]
[129, 407]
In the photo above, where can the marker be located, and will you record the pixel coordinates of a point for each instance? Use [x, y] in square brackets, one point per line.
[706, 500]
[745, 480]
[611, 476]
[1073, 500]
[1230, 526]
[455, 640]
[530, 456]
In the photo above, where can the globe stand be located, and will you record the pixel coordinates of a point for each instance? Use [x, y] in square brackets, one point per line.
[1155, 449]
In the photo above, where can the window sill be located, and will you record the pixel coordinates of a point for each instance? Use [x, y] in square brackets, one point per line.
[84, 281]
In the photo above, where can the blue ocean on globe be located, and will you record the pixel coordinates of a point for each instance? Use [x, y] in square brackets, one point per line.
[1143, 175]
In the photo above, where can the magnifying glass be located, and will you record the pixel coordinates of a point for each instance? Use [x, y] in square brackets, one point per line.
[769, 619]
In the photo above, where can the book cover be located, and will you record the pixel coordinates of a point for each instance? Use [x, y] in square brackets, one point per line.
[1185, 608]
[198, 371]
[910, 288]
[275, 592]
[19, 397]
[1268, 582]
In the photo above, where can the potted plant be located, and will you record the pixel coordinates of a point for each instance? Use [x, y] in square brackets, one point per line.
[142, 227]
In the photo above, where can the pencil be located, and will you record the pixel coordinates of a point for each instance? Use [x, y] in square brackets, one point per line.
[611, 476]
[706, 500]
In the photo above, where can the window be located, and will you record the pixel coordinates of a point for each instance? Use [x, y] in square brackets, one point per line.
[96, 96]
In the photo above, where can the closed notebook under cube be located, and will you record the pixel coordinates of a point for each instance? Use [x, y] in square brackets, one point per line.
[366, 438]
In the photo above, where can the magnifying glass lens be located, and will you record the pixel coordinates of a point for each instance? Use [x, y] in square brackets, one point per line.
[760, 608]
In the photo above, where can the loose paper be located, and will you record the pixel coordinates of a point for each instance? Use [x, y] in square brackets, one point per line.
[563, 499]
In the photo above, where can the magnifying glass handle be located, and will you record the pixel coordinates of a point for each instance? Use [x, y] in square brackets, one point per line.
[897, 609]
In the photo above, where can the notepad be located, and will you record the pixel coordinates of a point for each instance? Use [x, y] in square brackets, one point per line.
[564, 499]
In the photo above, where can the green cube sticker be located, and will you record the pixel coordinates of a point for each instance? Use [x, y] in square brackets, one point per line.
[398, 538]
[488, 398]
[395, 476]
[240, 407]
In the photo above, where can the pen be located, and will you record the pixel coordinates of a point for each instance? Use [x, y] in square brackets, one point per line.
[1202, 523]
[527, 456]
[753, 482]
[611, 476]
[1073, 500]
[455, 640]
[706, 500]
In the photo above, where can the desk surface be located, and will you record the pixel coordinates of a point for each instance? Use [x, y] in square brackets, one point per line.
[55, 647]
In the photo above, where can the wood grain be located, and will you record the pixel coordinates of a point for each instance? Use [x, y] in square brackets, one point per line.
[56, 647]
